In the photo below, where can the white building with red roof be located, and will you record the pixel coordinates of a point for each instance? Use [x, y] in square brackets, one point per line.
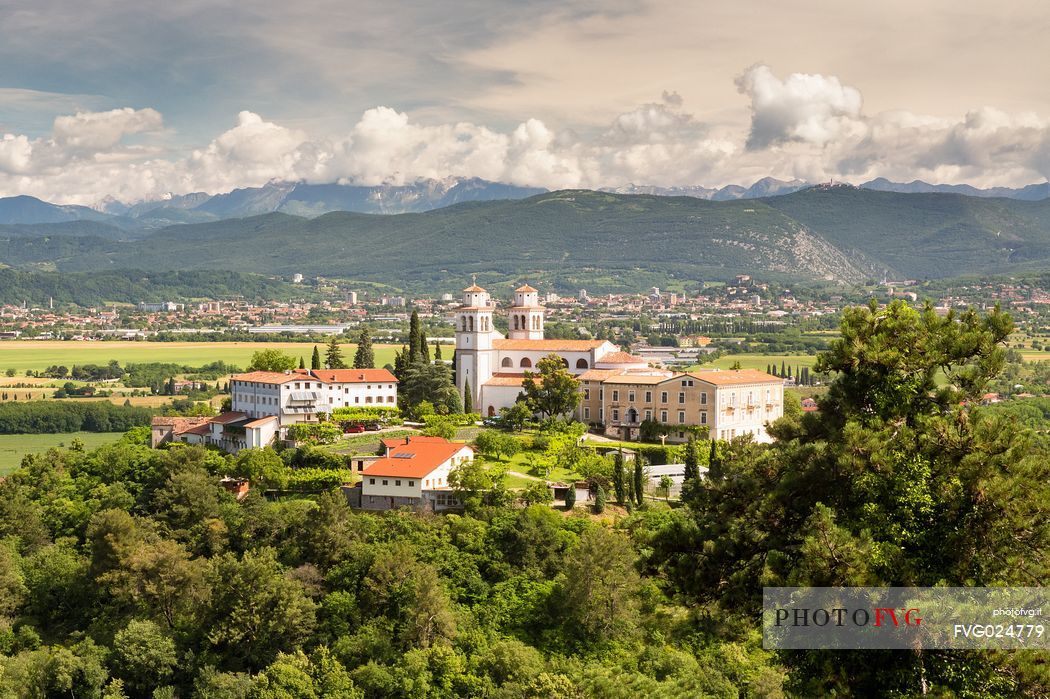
[413, 472]
[492, 366]
[299, 395]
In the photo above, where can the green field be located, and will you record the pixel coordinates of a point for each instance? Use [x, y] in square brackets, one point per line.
[21, 355]
[14, 446]
[761, 361]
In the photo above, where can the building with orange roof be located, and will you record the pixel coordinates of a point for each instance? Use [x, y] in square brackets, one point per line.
[413, 472]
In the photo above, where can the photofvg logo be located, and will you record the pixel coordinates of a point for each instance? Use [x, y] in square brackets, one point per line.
[904, 617]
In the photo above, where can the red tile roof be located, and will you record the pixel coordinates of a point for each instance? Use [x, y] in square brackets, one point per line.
[271, 377]
[354, 375]
[525, 289]
[730, 377]
[178, 424]
[426, 455]
[619, 358]
[227, 418]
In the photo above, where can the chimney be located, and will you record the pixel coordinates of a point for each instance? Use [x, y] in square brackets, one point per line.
[406, 439]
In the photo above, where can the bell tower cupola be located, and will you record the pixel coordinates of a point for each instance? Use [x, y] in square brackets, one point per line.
[526, 315]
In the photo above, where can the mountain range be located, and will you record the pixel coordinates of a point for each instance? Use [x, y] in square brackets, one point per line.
[600, 239]
[28, 216]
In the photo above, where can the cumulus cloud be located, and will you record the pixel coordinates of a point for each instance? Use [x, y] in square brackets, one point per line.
[813, 109]
[808, 126]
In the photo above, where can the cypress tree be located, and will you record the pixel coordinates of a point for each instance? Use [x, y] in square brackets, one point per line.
[783, 369]
[639, 480]
[424, 348]
[437, 351]
[570, 496]
[619, 478]
[171, 386]
[302, 364]
[315, 360]
[468, 400]
[714, 462]
[364, 357]
[599, 501]
[692, 460]
[414, 354]
[400, 363]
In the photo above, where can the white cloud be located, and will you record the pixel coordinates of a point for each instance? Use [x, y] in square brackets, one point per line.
[93, 132]
[813, 109]
[808, 126]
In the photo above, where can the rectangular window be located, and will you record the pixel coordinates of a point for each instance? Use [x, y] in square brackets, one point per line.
[703, 399]
[663, 416]
[630, 396]
[648, 396]
[681, 417]
[386, 482]
[397, 482]
[703, 418]
[586, 394]
[586, 413]
[411, 484]
[648, 415]
[371, 481]
[616, 415]
[616, 396]
[681, 397]
[663, 396]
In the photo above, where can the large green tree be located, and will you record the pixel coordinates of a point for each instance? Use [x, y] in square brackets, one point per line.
[552, 390]
[271, 360]
[899, 480]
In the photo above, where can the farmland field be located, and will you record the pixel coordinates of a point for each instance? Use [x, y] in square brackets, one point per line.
[21, 355]
[14, 446]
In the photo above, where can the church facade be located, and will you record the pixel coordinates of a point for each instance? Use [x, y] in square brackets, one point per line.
[490, 366]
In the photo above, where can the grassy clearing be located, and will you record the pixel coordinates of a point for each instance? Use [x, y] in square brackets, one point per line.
[15, 446]
[21, 355]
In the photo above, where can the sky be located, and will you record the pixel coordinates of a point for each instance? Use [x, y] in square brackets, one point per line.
[133, 99]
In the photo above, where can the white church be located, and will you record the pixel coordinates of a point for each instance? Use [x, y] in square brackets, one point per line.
[493, 366]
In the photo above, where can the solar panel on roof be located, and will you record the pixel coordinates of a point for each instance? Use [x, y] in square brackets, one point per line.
[403, 455]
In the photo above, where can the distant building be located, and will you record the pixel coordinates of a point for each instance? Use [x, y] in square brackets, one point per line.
[164, 306]
[351, 298]
[297, 278]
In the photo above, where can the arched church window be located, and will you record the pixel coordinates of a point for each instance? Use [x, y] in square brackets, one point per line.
[471, 323]
[581, 363]
[464, 324]
[526, 362]
[507, 362]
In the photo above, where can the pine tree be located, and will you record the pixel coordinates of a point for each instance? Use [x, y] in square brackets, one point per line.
[437, 351]
[334, 355]
[364, 357]
[599, 500]
[639, 480]
[468, 400]
[315, 360]
[619, 477]
[414, 354]
[570, 496]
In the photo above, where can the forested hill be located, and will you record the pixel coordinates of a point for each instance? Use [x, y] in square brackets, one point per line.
[839, 233]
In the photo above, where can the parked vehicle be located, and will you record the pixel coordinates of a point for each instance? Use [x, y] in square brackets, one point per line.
[355, 429]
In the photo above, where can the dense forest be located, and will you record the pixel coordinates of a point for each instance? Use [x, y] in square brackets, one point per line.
[128, 571]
